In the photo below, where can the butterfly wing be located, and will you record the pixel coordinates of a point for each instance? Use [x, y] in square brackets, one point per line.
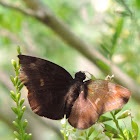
[47, 84]
[98, 96]
[84, 113]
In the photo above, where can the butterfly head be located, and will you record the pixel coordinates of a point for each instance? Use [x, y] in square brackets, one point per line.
[80, 76]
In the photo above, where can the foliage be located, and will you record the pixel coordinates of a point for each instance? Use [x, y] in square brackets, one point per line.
[102, 130]
[20, 125]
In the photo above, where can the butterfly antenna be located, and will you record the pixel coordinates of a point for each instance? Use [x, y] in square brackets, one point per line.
[91, 75]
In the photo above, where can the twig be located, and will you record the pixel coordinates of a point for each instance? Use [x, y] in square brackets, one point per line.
[117, 125]
[23, 11]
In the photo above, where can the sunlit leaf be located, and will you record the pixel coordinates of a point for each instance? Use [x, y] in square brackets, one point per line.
[135, 129]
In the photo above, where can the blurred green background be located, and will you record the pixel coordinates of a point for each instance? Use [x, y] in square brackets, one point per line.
[111, 26]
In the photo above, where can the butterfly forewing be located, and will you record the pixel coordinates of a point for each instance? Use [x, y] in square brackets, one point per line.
[106, 95]
[47, 84]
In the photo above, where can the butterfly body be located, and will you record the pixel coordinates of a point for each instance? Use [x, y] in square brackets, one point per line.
[52, 92]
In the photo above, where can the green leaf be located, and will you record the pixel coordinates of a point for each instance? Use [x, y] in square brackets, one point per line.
[17, 134]
[123, 13]
[23, 108]
[119, 1]
[135, 129]
[14, 109]
[18, 96]
[110, 135]
[19, 82]
[18, 50]
[29, 136]
[20, 115]
[20, 86]
[93, 77]
[125, 114]
[14, 63]
[117, 136]
[15, 124]
[104, 119]
[25, 122]
[22, 101]
[105, 48]
[12, 79]
[123, 4]
[62, 132]
[110, 129]
[137, 4]
[117, 111]
[130, 136]
[25, 136]
[103, 65]
[126, 133]
[13, 95]
[16, 80]
[116, 35]
[119, 26]
[91, 131]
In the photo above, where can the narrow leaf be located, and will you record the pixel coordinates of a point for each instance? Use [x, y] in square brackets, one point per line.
[16, 80]
[20, 115]
[117, 111]
[17, 134]
[13, 95]
[14, 109]
[110, 135]
[25, 122]
[22, 101]
[104, 119]
[18, 50]
[110, 129]
[18, 96]
[15, 124]
[125, 114]
[135, 129]
[12, 79]
[28, 137]
[91, 131]
[23, 108]
[14, 63]
[20, 86]
[130, 136]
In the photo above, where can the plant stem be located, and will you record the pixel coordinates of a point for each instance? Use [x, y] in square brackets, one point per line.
[117, 125]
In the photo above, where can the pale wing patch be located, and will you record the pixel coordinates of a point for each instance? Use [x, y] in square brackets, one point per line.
[23, 77]
[41, 82]
[33, 66]
[97, 100]
[112, 88]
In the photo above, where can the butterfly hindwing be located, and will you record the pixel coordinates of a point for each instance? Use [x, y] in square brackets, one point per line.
[84, 113]
[47, 85]
[97, 97]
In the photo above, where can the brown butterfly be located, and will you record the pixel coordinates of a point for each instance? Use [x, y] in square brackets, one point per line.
[53, 92]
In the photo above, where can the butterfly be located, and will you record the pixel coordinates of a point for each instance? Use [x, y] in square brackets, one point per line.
[53, 93]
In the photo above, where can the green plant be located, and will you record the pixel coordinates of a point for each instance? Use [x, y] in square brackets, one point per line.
[102, 130]
[19, 109]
